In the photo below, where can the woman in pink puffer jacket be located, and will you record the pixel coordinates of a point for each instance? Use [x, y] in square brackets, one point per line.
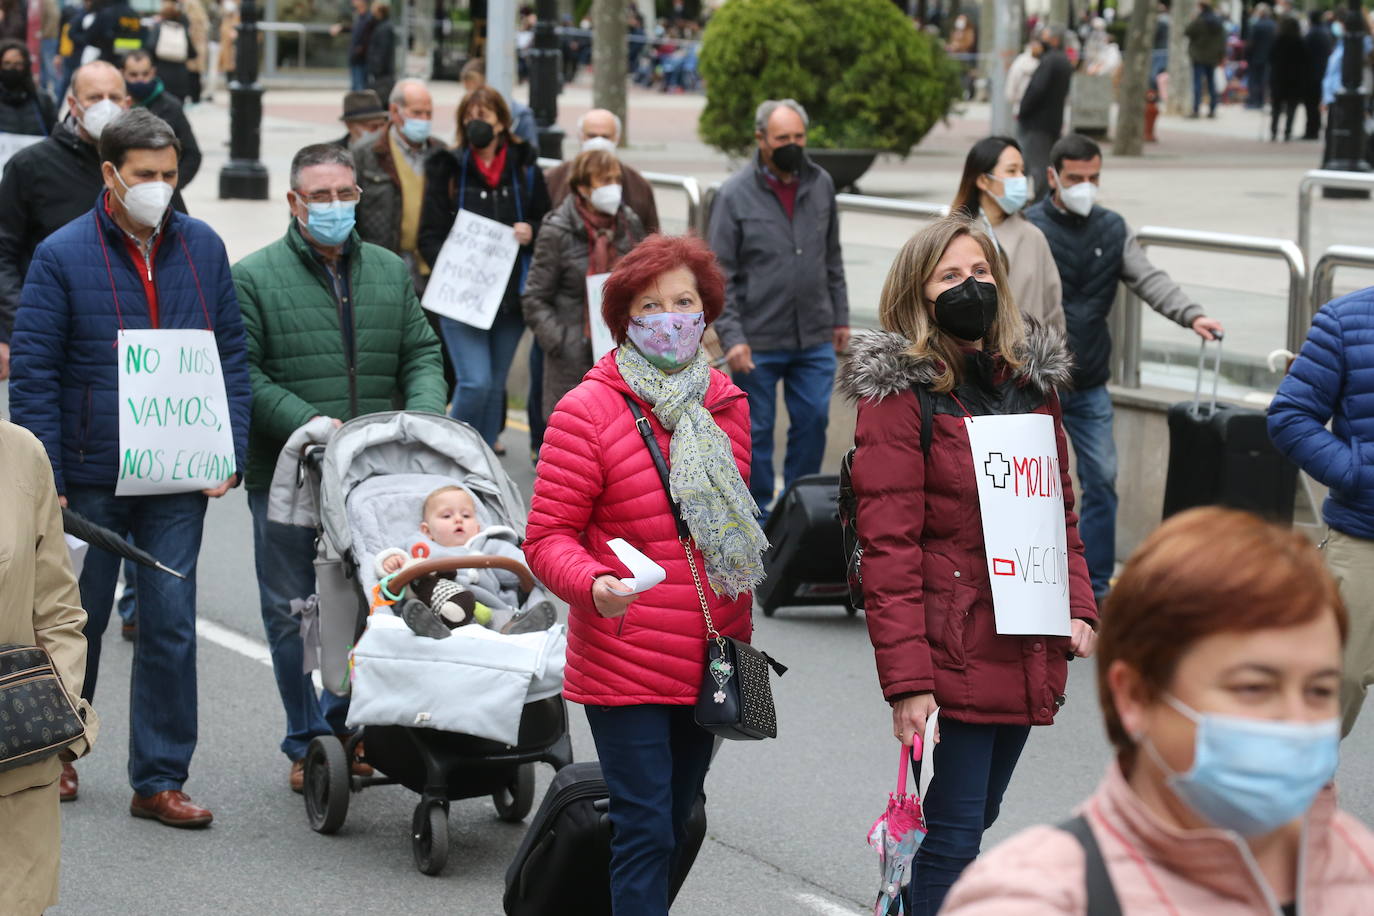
[1219, 667]
[635, 661]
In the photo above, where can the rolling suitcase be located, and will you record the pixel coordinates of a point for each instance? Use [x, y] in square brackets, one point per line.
[805, 562]
[563, 864]
[1220, 454]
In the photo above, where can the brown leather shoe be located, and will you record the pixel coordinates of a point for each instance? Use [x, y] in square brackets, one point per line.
[67, 783]
[297, 778]
[359, 767]
[128, 631]
[173, 808]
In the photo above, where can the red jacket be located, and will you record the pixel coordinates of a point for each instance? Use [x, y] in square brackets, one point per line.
[928, 598]
[595, 482]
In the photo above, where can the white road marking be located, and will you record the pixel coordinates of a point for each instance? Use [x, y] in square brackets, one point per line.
[234, 641]
[820, 905]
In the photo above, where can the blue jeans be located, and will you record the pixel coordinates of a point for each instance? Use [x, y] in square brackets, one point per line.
[973, 764]
[47, 50]
[1256, 84]
[1088, 422]
[128, 599]
[808, 377]
[357, 78]
[285, 559]
[482, 361]
[654, 759]
[162, 689]
[1202, 77]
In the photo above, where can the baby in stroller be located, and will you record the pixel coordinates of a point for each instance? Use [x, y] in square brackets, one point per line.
[441, 601]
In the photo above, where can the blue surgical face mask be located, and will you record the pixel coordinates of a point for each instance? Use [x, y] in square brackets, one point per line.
[331, 224]
[1017, 190]
[1253, 775]
[416, 130]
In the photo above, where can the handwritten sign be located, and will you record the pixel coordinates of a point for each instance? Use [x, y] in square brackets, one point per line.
[602, 341]
[1016, 464]
[13, 143]
[174, 431]
[469, 279]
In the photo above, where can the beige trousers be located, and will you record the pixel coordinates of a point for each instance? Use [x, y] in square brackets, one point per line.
[1351, 561]
[30, 850]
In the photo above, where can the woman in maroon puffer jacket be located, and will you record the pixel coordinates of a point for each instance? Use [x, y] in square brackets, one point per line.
[635, 661]
[951, 327]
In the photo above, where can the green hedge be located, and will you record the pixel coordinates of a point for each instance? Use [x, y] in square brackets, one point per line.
[867, 77]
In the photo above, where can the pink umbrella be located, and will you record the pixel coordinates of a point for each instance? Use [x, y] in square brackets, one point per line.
[896, 835]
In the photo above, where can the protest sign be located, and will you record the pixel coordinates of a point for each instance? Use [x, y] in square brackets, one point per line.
[13, 143]
[602, 341]
[174, 431]
[469, 279]
[1016, 464]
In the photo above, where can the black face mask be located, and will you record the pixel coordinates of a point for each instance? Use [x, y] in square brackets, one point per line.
[479, 134]
[967, 311]
[14, 79]
[140, 89]
[789, 158]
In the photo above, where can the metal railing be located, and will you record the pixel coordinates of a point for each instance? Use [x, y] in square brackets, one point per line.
[847, 203]
[1324, 178]
[1324, 273]
[1128, 325]
[689, 186]
[300, 29]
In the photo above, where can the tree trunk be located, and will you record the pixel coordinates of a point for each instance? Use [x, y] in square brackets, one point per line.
[1180, 67]
[1135, 80]
[609, 57]
[1059, 13]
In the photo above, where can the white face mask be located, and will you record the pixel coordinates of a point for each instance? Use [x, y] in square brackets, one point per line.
[1078, 198]
[96, 118]
[598, 143]
[606, 198]
[146, 202]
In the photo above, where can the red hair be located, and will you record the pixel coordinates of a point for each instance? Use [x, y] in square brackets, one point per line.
[1203, 572]
[648, 261]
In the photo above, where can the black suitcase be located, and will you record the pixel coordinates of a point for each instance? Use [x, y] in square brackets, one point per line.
[805, 562]
[563, 864]
[1220, 455]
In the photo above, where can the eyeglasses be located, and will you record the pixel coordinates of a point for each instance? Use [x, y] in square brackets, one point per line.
[348, 195]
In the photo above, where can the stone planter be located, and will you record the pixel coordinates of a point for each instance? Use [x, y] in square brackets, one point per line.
[846, 166]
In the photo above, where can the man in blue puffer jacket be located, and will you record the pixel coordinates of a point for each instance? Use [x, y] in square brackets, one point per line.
[131, 264]
[1333, 380]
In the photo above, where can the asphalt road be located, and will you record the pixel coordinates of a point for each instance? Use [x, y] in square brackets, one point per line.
[787, 818]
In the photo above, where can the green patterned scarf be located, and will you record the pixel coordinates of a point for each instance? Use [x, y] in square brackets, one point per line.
[703, 477]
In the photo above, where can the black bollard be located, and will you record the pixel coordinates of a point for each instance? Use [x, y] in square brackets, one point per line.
[546, 67]
[244, 177]
[1345, 137]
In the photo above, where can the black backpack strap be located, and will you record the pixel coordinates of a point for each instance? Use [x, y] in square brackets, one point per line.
[927, 405]
[646, 433]
[1102, 900]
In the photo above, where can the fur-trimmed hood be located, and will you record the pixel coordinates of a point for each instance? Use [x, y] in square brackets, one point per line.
[879, 365]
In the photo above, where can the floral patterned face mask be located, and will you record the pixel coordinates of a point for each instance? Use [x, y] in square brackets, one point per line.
[668, 340]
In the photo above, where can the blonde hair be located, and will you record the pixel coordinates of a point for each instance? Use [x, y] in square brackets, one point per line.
[424, 510]
[903, 308]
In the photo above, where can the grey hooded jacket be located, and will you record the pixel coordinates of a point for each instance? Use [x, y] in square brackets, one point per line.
[784, 279]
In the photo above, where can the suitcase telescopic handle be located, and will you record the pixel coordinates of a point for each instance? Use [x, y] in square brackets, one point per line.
[1216, 377]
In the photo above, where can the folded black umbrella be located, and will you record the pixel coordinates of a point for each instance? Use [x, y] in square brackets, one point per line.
[78, 526]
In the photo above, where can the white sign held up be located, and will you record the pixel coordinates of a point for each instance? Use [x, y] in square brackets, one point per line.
[602, 341]
[1016, 464]
[469, 278]
[174, 429]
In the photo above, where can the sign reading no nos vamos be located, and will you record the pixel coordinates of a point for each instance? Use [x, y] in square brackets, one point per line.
[174, 429]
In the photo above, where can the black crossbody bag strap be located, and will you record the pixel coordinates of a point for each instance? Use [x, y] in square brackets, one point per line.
[646, 433]
[1102, 900]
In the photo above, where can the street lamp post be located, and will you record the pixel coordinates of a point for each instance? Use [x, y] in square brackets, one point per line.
[545, 62]
[1345, 150]
[244, 177]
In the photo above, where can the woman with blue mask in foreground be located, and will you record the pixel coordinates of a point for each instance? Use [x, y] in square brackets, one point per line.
[993, 192]
[1219, 673]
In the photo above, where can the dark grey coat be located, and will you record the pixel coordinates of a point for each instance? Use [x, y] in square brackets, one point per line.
[555, 299]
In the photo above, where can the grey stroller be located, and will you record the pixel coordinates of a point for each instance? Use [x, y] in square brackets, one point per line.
[453, 718]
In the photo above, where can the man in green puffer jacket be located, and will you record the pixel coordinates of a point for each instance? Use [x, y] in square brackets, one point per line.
[334, 330]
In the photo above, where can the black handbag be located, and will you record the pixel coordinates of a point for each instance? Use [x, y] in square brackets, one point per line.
[736, 697]
[37, 718]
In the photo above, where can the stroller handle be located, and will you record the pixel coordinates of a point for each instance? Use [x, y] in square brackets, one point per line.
[449, 564]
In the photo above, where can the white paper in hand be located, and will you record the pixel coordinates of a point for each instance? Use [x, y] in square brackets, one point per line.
[644, 572]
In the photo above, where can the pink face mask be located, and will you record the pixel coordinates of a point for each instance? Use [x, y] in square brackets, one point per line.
[668, 340]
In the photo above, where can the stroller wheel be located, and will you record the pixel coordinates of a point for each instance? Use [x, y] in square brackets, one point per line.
[326, 784]
[429, 837]
[514, 802]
